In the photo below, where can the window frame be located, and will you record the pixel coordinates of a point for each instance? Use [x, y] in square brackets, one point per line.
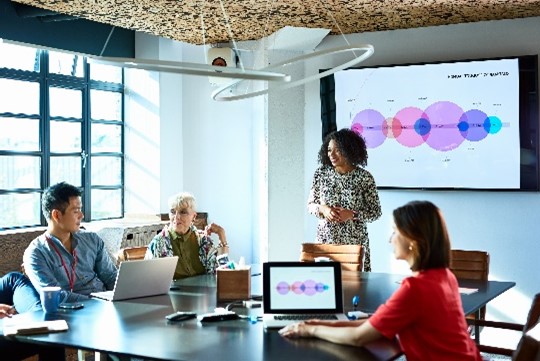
[85, 84]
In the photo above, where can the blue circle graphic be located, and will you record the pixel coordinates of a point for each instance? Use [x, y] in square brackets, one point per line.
[422, 126]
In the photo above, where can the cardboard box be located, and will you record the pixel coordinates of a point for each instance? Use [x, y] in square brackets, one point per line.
[234, 284]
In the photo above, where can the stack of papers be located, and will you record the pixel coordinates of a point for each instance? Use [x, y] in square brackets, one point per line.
[467, 291]
[33, 328]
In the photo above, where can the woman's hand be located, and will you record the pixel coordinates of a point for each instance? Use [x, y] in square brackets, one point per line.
[331, 214]
[336, 214]
[6, 310]
[345, 214]
[217, 229]
[296, 330]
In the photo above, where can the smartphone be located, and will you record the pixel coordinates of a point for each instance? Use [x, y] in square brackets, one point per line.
[71, 305]
[181, 316]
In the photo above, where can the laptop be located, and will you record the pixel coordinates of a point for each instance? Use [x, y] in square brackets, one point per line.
[141, 278]
[298, 291]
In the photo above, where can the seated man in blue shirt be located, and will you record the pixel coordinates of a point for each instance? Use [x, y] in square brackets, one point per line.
[65, 256]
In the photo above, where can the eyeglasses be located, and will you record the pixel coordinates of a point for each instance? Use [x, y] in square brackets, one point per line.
[179, 212]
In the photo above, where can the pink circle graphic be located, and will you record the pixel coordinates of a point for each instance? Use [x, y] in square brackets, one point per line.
[405, 119]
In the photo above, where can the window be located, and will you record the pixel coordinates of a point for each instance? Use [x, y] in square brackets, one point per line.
[61, 119]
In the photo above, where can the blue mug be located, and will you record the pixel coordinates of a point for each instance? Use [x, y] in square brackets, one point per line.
[50, 299]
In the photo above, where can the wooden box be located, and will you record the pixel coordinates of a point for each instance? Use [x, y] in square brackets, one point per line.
[233, 284]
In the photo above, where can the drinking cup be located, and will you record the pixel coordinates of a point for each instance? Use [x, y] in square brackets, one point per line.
[50, 299]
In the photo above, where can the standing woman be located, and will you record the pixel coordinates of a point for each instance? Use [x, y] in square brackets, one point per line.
[343, 194]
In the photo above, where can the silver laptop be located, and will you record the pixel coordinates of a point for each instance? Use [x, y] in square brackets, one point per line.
[141, 278]
[298, 291]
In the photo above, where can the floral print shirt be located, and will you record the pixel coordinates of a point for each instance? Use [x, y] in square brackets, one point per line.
[355, 190]
[161, 246]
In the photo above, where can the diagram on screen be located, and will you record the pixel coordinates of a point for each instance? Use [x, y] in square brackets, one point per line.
[308, 287]
[444, 125]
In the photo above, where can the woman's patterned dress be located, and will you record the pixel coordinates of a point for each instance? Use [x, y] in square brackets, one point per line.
[355, 190]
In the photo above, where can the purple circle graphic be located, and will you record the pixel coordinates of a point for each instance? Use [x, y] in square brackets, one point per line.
[320, 287]
[444, 118]
[369, 124]
[310, 287]
[282, 288]
[475, 119]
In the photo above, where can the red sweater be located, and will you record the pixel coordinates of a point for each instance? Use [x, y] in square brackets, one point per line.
[426, 314]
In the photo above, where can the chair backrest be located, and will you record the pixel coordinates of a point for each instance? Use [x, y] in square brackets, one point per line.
[201, 221]
[467, 264]
[350, 256]
[134, 253]
[533, 319]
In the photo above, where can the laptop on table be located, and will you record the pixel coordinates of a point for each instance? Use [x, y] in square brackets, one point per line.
[141, 278]
[298, 291]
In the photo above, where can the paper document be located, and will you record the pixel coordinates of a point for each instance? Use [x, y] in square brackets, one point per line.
[467, 291]
[35, 327]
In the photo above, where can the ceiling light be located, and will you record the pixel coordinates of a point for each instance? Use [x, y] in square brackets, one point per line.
[192, 69]
[366, 49]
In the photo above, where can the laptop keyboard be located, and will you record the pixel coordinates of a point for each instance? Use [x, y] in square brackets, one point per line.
[305, 317]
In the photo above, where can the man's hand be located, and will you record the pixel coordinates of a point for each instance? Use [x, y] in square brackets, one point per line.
[6, 310]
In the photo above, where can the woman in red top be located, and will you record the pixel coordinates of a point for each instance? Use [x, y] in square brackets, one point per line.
[425, 312]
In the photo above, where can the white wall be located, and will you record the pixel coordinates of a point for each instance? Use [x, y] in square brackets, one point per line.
[222, 146]
[177, 139]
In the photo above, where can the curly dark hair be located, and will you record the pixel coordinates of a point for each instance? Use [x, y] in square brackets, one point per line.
[350, 144]
[57, 197]
[423, 222]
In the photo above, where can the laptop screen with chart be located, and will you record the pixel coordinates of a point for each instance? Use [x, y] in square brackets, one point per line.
[294, 291]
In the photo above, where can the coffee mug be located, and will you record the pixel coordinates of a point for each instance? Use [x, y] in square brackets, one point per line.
[50, 299]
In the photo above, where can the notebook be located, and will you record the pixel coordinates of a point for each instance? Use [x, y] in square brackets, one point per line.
[296, 291]
[141, 278]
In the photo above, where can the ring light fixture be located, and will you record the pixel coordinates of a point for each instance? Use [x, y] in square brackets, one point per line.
[367, 50]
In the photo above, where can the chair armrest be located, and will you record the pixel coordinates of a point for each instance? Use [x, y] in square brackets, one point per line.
[495, 350]
[496, 324]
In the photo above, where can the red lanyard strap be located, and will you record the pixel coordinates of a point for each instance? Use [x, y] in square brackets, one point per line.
[71, 276]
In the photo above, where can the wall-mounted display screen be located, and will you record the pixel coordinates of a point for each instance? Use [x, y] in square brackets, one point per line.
[454, 125]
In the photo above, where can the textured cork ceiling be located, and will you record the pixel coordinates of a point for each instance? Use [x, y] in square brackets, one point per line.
[226, 20]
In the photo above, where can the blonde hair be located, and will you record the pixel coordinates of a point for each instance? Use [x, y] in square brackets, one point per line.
[182, 200]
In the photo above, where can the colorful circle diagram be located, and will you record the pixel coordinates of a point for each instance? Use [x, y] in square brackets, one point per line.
[443, 126]
[308, 288]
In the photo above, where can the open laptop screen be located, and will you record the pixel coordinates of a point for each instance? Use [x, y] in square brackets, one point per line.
[302, 287]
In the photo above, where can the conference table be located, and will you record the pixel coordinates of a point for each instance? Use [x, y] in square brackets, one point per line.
[138, 328]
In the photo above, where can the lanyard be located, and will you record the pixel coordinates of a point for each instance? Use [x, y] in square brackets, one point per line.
[71, 276]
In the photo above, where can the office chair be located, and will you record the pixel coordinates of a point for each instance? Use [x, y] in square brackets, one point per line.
[473, 265]
[134, 253]
[529, 347]
[529, 339]
[350, 256]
